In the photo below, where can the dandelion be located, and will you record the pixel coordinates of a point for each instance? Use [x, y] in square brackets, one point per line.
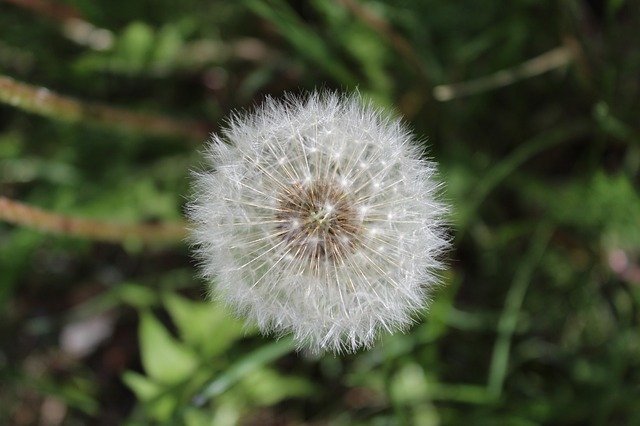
[319, 219]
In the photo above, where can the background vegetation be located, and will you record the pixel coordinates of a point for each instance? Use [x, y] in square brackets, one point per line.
[539, 320]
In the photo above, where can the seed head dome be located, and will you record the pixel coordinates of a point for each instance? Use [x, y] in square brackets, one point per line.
[319, 217]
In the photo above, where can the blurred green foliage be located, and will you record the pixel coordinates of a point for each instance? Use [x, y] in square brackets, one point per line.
[538, 322]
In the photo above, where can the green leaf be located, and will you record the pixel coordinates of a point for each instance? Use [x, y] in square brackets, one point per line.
[207, 327]
[136, 295]
[163, 357]
[159, 403]
[136, 45]
[267, 387]
[196, 417]
[243, 368]
[409, 385]
[168, 45]
[468, 208]
[307, 42]
[144, 388]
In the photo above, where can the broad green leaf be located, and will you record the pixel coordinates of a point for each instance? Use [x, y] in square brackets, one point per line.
[143, 387]
[267, 387]
[163, 357]
[168, 44]
[227, 413]
[160, 404]
[197, 417]
[206, 327]
[136, 44]
[426, 414]
[136, 295]
[409, 385]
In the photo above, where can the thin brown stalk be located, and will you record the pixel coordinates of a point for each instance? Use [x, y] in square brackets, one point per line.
[85, 33]
[386, 31]
[74, 26]
[40, 100]
[556, 58]
[51, 9]
[21, 214]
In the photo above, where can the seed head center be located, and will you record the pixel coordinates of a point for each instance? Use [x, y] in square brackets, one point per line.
[317, 221]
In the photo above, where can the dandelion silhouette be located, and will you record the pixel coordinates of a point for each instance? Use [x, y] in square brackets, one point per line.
[319, 218]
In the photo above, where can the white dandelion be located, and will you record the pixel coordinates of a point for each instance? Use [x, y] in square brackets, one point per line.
[319, 219]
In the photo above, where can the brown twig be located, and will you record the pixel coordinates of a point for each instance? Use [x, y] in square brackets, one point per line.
[21, 214]
[386, 31]
[74, 26]
[555, 58]
[52, 10]
[42, 101]
[85, 33]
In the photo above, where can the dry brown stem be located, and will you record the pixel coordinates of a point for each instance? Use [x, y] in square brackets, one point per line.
[555, 58]
[40, 100]
[21, 214]
[51, 9]
[73, 25]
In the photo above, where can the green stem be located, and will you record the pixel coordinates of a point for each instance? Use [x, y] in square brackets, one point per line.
[498, 173]
[511, 311]
[240, 369]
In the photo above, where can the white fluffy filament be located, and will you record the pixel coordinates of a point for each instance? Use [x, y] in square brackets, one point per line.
[320, 218]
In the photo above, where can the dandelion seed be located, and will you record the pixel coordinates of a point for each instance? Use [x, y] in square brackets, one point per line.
[320, 219]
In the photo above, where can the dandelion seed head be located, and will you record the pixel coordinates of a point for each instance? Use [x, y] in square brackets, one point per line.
[319, 218]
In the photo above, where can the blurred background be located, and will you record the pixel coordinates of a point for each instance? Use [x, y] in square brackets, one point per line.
[530, 107]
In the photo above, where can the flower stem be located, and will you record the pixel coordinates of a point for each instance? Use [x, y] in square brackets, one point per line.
[53, 10]
[21, 214]
[42, 101]
[558, 57]
[511, 312]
